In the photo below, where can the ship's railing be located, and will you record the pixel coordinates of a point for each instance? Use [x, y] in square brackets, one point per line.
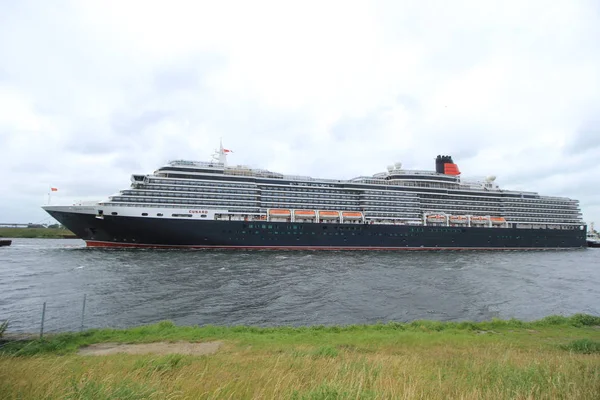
[86, 203]
[310, 179]
[299, 178]
[556, 198]
[521, 192]
[371, 180]
[472, 182]
[245, 171]
[413, 172]
[541, 199]
[186, 163]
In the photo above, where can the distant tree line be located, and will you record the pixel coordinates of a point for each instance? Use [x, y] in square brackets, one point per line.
[52, 226]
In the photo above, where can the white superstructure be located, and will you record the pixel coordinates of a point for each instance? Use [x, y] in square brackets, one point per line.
[396, 196]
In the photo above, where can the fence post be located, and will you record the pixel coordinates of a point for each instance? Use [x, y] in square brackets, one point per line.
[83, 312]
[43, 316]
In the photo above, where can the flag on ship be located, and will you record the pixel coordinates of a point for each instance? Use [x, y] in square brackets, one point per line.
[53, 189]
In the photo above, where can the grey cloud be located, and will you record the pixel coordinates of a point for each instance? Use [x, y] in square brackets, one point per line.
[4, 75]
[189, 75]
[128, 164]
[134, 125]
[595, 202]
[353, 128]
[409, 102]
[586, 138]
[96, 143]
[172, 80]
[536, 170]
[99, 186]
[350, 128]
[34, 166]
[127, 109]
[463, 154]
[461, 141]
[579, 185]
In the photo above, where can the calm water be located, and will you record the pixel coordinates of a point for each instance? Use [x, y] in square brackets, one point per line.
[132, 287]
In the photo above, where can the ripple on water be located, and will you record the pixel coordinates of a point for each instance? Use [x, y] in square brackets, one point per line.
[131, 287]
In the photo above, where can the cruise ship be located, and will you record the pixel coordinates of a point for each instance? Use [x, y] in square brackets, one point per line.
[191, 204]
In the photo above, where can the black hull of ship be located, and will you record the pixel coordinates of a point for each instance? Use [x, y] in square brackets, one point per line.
[120, 231]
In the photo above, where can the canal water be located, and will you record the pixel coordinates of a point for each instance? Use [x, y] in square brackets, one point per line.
[265, 288]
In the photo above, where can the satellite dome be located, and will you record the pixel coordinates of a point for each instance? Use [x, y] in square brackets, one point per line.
[398, 165]
[491, 178]
[390, 168]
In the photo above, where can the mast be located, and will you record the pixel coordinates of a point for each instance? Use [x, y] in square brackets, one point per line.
[220, 155]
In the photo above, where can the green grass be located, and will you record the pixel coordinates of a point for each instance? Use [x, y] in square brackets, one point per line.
[584, 346]
[552, 358]
[34, 233]
[317, 335]
[3, 328]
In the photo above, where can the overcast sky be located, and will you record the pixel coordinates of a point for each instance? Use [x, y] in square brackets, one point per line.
[93, 91]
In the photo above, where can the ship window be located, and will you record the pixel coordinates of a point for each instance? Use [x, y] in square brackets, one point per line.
[159, 215]
[181, 215]
[144, 214]
[113, 213]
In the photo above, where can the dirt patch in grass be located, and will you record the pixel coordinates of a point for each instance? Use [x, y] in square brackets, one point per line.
[194, 349]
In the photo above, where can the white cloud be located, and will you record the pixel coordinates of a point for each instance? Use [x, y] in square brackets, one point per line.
[93, 91]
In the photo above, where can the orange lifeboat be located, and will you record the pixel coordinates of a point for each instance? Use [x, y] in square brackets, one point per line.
[329, 214]
[458, 219]
[498, 220]
[305, 213]
[477, 219]
[436, 218]
[279, 212]
[352, 215]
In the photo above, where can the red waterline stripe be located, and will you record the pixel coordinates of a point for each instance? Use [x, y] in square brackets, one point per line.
[91, 243]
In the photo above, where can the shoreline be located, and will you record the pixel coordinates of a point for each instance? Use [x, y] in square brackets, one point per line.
[578, 320]
[36, 233]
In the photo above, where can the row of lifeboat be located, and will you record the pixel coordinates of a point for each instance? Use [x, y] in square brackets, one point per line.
[464, 219]
[312, 214]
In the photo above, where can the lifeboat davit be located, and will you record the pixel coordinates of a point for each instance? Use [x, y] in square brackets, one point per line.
[329, 214]
[436, 218]
[458, 219]
[304, 213]
[352, 215]
[279, 212]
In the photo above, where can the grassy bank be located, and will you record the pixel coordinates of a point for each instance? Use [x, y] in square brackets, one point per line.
[554, 358]
[33, 233]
